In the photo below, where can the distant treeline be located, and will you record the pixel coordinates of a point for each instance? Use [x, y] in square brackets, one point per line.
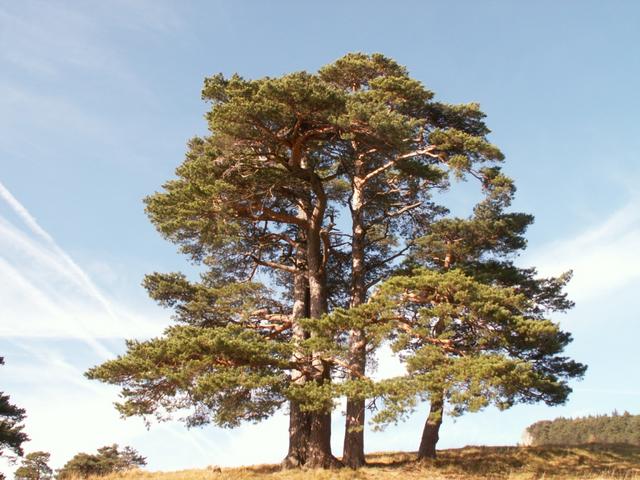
[614, 428]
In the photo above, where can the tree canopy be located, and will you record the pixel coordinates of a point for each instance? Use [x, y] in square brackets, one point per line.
[300, 205]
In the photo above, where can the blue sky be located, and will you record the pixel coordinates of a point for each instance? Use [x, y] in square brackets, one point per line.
[97, 101]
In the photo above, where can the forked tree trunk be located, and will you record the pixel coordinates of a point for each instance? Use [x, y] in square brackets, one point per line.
[430, 434]
[319, 446]
[353, 449]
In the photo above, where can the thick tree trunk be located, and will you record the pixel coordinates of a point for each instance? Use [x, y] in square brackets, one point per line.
[432, 428]
[299, 432]
[319, 455]
[353, 448]
[299, 421]
[319, 445]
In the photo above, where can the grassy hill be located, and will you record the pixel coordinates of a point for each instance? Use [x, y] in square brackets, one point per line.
[516, 463]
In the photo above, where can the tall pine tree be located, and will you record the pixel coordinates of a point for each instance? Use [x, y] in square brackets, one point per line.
[253, 195]
[399, 147]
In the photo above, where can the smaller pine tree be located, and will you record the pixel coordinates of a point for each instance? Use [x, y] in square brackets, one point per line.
[35, 466]
[109, 459]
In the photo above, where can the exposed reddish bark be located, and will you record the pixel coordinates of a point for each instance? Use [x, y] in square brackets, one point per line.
[430, 433]
[319, 445]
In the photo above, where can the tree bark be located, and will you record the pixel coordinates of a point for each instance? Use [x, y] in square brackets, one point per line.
[353, 448]
[430, 434]
[299, 432]
[319, 445]
[299, 421]
[431, 431]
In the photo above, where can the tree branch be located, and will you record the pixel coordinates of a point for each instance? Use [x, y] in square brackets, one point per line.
[277, 266]
[388, 259]
[397, 213]
[423, 151]
[269, 214]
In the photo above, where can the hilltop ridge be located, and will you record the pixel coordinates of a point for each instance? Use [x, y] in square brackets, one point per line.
[515, 463]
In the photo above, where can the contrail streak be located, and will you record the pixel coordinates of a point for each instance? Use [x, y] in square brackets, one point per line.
[81, 277]
[63, 263]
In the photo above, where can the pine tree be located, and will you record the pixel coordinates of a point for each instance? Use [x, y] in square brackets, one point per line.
[400, 145]
[603, 429]
[252, 196]
[109, 459]
[474, 330]
[12, 434]
[35, 466]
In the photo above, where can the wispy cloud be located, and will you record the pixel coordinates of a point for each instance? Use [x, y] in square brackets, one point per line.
[44, 38]
[46, 293]
[71, 414]
[69, 266]
[26, 110]
[58, 62]
[604, 257]
[24, 214]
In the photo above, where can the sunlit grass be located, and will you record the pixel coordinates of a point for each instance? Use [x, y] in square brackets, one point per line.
[593, 462]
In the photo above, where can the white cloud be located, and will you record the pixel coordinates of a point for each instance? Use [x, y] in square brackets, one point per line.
[24, 214]
[604, 257]
[46, 293]
[50, 252]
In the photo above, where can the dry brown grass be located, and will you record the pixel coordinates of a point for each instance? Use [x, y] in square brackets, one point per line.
[594, 462]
